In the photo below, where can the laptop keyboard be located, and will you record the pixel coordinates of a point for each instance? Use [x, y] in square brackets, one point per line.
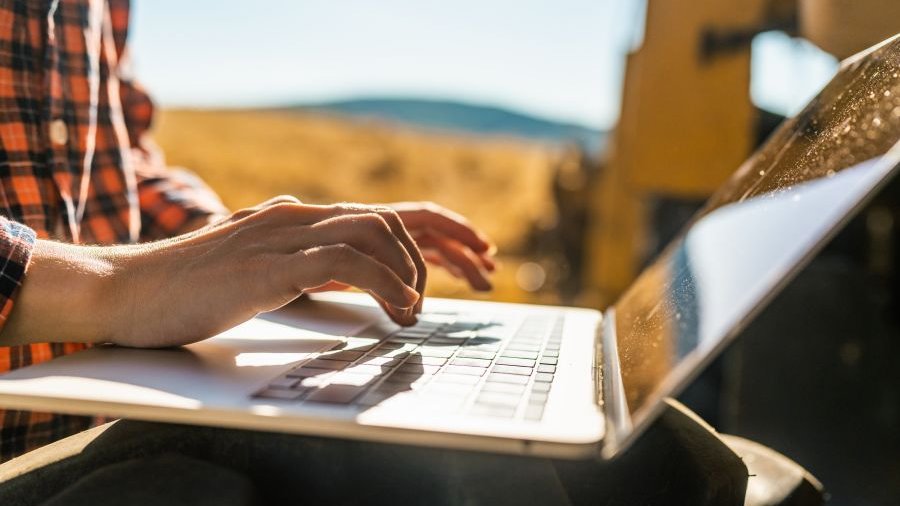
[447, 363]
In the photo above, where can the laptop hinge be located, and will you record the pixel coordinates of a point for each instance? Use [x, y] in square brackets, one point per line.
[598, 364]
[615, 406]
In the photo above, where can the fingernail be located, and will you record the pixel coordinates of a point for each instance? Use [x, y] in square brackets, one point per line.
[488, 262]
[411, 295]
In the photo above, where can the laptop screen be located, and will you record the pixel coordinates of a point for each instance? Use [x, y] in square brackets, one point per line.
[759, 228]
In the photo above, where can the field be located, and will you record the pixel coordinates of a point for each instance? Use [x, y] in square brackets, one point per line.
[501, 185]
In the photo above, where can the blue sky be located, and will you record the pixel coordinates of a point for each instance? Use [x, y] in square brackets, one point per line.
[560, 59]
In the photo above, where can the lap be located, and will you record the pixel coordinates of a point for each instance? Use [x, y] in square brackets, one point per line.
[677, 461]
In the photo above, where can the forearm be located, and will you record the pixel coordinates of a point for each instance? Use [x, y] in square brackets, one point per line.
[66, 296]
[187, 288]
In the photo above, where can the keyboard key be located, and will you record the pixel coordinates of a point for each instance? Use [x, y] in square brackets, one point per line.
[334, 365]
[521, 362]
[457, 378]
[485, 355]
[367, 369]
[308, 372]
[386, 362]
[543, 377]
[415, 358]
[424, 324]
[419, 368]
[473, 362]
[336, 394]
[541, 387]
[507, 378]
[280, 394]
[507, 388]
[283, 382]
[345, 355]
[469, 345]
[512, 369]
[407, 378]
[538, 397]
[314, 381]
[360, 344]
[438, 319]
[530, 355]
[551, 353]
[549, 360]
[457, 334]
[494, 332]
[374, 398]
[437, 351]
[462, 369]
[483, 341]
[378, 331]
[346, 378]
[414, 332]
[537, 340]
[476, 323]
[524, 347]
[382, 392]
[441, 341]
[398, 347]
[406, 339]
[546, 368]
[498, 399]
[534, 413]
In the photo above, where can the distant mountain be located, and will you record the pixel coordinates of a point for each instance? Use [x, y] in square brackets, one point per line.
[463, 117]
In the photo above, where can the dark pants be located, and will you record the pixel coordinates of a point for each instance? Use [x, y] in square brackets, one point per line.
[678, 461]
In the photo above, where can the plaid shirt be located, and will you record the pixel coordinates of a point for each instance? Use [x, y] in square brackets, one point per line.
[74, 163]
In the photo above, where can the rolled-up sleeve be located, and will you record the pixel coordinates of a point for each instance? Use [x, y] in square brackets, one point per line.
[172, 201]
[16, 246]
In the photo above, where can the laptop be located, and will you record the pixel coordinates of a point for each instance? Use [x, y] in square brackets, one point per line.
[533, 380]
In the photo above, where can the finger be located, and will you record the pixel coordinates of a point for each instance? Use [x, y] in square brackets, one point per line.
[291, 215]
[344, 264]
[396, 224]
[461, 257]
[445, 222]
[346, 223]
[435, 257]
[488, 262]
[367, 233]
[485, 259]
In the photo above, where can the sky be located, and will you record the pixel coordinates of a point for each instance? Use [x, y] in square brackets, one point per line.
[558, 59]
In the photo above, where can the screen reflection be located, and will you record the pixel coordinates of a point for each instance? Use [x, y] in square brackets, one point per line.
[760, 225]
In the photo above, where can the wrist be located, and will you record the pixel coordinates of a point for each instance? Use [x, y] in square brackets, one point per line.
[67, 295]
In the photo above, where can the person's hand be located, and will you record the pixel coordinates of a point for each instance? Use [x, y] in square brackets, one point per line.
[448, 240]
[191, 287]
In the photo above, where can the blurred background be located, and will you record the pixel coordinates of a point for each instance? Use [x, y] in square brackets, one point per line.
[580, 135]
[501, 111]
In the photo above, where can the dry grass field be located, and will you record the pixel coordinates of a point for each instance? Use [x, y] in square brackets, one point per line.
[502, 185]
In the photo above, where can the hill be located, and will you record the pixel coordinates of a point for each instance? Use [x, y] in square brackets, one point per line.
[462, 117]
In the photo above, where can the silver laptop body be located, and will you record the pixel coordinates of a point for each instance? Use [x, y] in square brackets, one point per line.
[552, 381]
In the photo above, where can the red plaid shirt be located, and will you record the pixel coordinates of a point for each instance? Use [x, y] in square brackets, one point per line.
[73, 163]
